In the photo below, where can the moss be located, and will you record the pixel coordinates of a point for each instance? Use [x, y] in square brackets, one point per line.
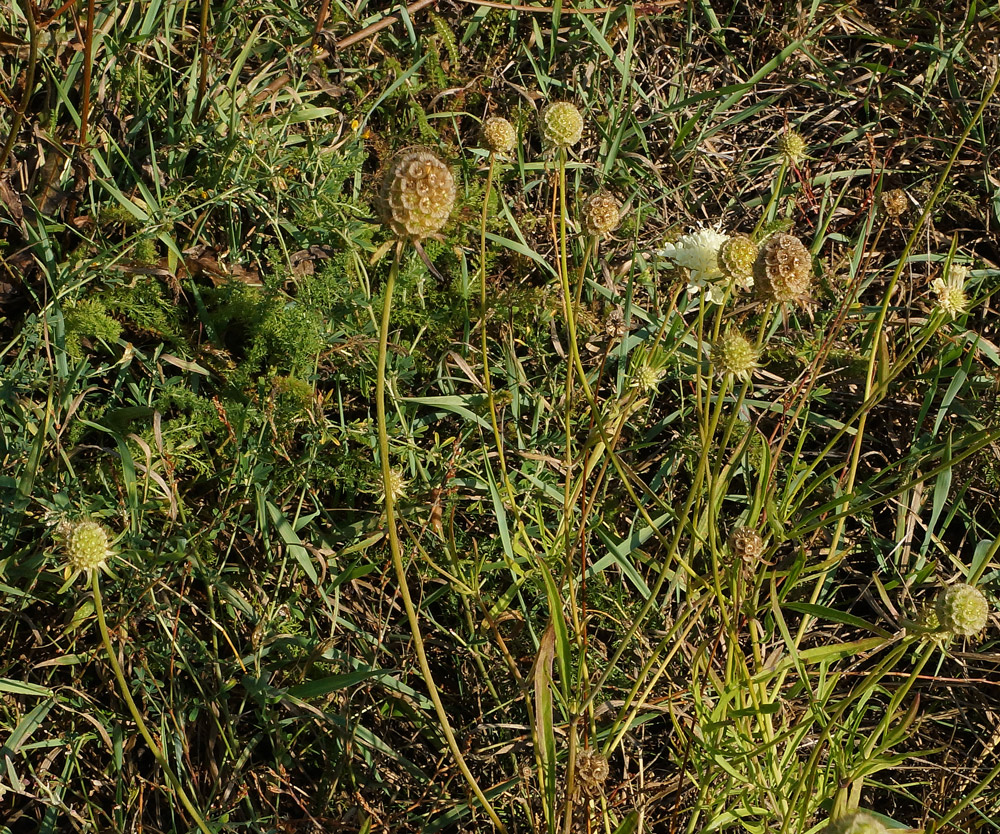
[87, 324]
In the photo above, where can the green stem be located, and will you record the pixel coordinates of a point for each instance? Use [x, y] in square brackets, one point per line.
[397, 551]
[136, 715]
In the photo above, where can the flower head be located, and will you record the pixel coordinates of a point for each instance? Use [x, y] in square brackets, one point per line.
[894, 202]
[601, 214]
[86, 546]
[792, 146]
[783, 269]
[698, 253]
[746, 543]
[951, 298]
[736, 258]
[417, 194]
[734, 355]
[857, 822]
[397, 485]
[561, 124]
[499, 135]
[962, 609]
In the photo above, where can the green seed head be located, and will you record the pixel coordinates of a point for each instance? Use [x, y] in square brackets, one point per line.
[855, 823]
[417, 195]
[87, 546]
[561, 124]
[792, 146]
[962, 609]
[734, 355]
[736, 259]
[601, 214]
[499, 135]
[783, 270]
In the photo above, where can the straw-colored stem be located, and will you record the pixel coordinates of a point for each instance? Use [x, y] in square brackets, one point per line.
[397, 551]
[154, 748]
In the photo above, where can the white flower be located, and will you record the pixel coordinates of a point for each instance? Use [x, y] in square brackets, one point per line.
[950, 292]
[698, 252]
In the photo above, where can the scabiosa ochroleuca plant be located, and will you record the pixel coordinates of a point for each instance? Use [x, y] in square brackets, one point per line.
[783, 270]
[499, 135]
[962, 610]
[417, 194]
[561, 124]
[601, 214]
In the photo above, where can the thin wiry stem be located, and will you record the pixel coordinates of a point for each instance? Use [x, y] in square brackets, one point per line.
[154, 748]
[397, 551]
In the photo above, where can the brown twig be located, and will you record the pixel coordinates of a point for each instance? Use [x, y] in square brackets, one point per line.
[324, 10]
[203, 58]
[56, 14]
[88, 68]
[380, 25]
[29, 82]
[495, 4]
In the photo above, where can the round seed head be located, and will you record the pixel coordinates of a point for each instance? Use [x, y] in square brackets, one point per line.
[561, 124]
[601, 214]
[734, 355]
[499, 135]
[783, 269]
[894, 202]
[962, 609]
[746, 543]
[856, 823]
[591, 772]
[736, 259]
[417, 195]
[792, 146]
[87, 546]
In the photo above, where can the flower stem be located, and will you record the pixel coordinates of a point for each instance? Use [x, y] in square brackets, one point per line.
[136, 715]
[397, 552]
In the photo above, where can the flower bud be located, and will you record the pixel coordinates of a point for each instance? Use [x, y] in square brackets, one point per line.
[87, 546]
[734, 355]
[736, 259]
[962, 609]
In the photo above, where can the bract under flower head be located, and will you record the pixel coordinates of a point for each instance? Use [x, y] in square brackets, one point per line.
[698, 252]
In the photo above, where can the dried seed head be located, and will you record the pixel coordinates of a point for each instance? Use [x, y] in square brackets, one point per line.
[894, 203]
[499, 135]
[783, 269]
[962, 609]
[855, 823]
[601, 214]
[591, 772]
[561, 124]
[734, 355]
[736, 259]
[417, 195]
[792, 146]
[87, 547]
[614, 324]
[746, 543]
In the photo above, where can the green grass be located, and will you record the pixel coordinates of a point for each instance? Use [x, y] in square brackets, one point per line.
[194, 290]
